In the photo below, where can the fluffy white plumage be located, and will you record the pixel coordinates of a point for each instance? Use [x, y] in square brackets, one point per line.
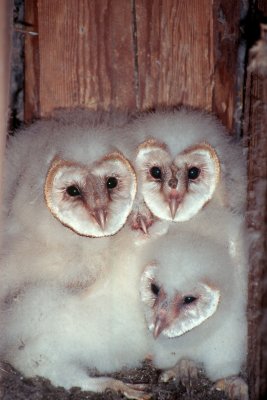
[87, 148]
[70, 301]
[184, 160]
[61, 335]
[195, 304]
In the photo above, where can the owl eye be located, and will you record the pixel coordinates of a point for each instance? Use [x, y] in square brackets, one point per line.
[112, 182]
[154, 289]
[155, 172]
[189, 299]
[73, 191]
[193, 173]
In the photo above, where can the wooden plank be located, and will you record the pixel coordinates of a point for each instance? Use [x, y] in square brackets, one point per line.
[85, 53]
[136, 54]
[175, 52]
[226, 42]
[255, 134]
[32, 64]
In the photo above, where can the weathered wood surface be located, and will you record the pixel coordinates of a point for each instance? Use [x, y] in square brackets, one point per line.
[134, 54]
[85, 55]
[255, 130]
[32, 68]
[257, 219]
[175, 52]
[228, 79]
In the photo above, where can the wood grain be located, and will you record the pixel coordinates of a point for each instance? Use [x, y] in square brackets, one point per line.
[256, 139]
[257, 218]
[134, 54]
[85, 53]
[175, 52]
[32, 64]
[226, 73]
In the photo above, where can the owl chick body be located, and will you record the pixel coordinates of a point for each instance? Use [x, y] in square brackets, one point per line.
[65, 336]
[185, 160]
[195, 304]
[69, 188]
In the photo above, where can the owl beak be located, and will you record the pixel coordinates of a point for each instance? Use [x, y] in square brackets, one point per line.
[101, 217]
[141, 222]
[143, 225]
[162, 315]
[160, 324]
[173, 204]
[175, 198]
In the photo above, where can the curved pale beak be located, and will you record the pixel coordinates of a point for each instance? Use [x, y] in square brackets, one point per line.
[161, 323]
[141, 222]
[173, 204]
[100, 216]
[143, 225]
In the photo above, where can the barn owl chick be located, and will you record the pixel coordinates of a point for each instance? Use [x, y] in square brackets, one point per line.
[91, 201]
[66, 179]
[64, 336]
[195, 307]
[184, 160]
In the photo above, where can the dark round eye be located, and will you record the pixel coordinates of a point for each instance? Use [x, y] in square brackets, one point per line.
[193, 173]
[189, 299]
[112, 182]
[155, 172]
[73, 191]
[154, 289]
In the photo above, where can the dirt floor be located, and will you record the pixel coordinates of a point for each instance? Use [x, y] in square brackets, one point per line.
[14, 387]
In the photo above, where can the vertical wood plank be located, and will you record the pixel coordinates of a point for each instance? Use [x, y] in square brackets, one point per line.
[32, 64]
[86, 54]
[226, 41]
[257, 218]
[175, 52]
[255, 129]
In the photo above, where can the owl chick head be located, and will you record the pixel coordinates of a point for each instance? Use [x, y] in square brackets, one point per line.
[92, 200]
[185, 158]
[185, 283]
[76, 169]
[177, 188]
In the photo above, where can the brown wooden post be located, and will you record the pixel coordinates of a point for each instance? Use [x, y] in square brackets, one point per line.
[226, 71]
[175, 44]
[83, 55]
[255, 130]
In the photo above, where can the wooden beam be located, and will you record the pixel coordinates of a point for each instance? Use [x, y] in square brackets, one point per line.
[256, 140]
[175, 52]
[85, 55]
[227, 14]
[32, 64]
